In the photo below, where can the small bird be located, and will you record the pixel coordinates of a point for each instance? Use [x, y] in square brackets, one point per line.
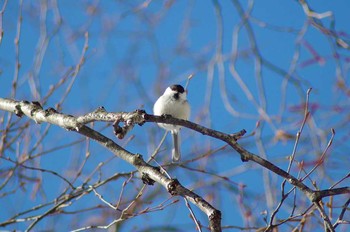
[173, 102]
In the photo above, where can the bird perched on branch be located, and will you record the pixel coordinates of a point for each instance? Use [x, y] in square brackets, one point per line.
[173, 102]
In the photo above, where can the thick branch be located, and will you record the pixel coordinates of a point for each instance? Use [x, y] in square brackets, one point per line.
[35, 111]
[151, 174]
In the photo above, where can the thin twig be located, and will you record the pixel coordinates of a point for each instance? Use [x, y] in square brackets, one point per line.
[193, 216]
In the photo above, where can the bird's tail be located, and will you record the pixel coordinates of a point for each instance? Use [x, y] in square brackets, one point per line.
[176, 155]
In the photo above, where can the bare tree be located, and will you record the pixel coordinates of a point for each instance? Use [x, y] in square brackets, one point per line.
[265, 150]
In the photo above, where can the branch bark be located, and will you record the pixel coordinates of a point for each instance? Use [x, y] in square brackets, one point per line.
[153, 174]
[149, 173]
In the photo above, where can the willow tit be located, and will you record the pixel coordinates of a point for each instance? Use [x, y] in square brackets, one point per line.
[173, 102]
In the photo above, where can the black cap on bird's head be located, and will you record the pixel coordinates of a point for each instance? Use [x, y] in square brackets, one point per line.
[177, 88]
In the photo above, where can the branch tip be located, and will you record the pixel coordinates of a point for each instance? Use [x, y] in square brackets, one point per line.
[309, 90]
[236, 136]
[100, 109]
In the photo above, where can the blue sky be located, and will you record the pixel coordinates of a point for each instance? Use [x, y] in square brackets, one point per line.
[135, 52]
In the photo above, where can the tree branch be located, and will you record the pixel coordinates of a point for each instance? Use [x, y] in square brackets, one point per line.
[38, 114]
[150, 173]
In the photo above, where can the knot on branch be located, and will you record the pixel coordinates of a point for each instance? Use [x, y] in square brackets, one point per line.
[18, 111]
[129, 119]
[172, 186]
[216, 215]
[137, 161]
[36, 107]
[244, 158]
[37, 104]
[50, 111]
[146, 179]
[315, 196]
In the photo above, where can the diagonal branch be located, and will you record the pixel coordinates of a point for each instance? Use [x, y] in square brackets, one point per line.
[153, 174]
[150, 174]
